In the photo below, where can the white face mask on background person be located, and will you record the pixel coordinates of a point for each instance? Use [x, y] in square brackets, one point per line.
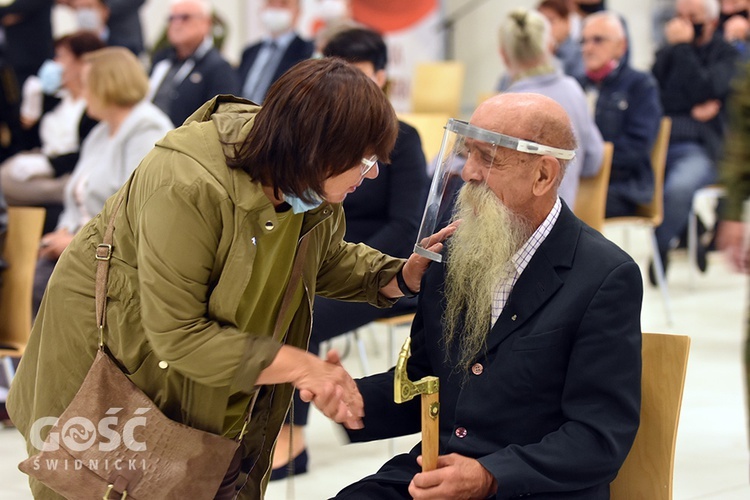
[330, 10]
[276, 20]
[51, 76]
[88, 20]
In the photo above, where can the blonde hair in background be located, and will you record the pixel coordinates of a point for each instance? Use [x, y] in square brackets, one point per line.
[116, 77]
[525, 38]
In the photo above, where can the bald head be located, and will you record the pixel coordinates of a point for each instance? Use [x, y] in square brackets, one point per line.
[533, 117]
[526, 183]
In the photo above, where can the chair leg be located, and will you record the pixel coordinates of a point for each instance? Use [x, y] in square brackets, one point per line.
[692, 244]
[660, 278]
[389, 364]
[9, 369]
[363, 361]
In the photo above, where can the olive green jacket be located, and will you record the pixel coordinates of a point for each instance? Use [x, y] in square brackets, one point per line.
[184, 243]
[735, 167]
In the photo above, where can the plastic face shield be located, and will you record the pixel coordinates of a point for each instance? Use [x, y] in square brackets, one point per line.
[462, 140]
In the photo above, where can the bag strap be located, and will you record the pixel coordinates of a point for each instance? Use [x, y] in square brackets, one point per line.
[294, 279]
[103, 256]
[278, 334]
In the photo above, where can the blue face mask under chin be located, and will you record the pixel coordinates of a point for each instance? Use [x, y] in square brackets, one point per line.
[300, 206]
[50, 74]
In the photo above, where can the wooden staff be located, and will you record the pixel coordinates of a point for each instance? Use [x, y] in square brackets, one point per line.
[428, 387]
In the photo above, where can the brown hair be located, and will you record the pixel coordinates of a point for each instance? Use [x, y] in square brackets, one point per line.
[116, 77]
[559, 7]
[318, 120]
[80, 43]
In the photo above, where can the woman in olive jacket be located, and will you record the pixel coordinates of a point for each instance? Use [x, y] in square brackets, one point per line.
[203, 247]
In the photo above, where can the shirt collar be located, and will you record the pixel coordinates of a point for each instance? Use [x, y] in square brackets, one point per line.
[282, 41]
[524, 254]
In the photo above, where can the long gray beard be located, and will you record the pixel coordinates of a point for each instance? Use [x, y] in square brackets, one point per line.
[479, 258]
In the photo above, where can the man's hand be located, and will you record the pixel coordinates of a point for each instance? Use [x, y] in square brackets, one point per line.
[731, 238]
[53, 244]
[706, 111]
[456, 478]
[736, 28]
[679, 30]
[333, 391]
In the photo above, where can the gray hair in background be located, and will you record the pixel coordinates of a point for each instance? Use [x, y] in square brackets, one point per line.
[613, 21]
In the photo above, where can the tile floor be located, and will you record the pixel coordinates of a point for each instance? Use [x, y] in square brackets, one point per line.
[712, 449]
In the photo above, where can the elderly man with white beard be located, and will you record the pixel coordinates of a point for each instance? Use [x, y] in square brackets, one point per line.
[532, 325]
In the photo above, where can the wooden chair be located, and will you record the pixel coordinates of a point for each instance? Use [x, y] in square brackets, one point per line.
[437, 87]
[431, 127]
[651, 214]
[649, 467]
[21, 249]
[591, 200]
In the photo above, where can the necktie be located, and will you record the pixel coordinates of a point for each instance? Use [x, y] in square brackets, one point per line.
[258, 84]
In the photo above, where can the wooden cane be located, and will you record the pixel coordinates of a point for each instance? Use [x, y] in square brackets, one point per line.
[428, 387]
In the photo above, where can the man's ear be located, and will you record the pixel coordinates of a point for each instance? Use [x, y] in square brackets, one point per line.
[548, 175]
[380, 77]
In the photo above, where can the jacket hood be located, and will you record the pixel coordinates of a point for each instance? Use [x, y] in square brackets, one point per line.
[233, 118]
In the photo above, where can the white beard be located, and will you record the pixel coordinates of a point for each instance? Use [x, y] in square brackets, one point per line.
[479, 258]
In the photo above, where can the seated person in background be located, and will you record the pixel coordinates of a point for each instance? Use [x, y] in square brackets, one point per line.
[384, 214]
[694, 72]
[627, 112]
[734, 25]
[115, 86]
[532, 326]
[192, 70]
[264, 62]
[524, 47]
[38, 177]
[565, 48]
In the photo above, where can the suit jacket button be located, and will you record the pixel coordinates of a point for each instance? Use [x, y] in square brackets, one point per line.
[163, 365]
[461, 432]
[477, 369]
[269, 225]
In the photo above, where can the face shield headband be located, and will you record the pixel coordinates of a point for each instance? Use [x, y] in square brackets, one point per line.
[446, 178]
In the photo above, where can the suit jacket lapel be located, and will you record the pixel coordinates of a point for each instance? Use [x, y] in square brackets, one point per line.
[541, 279]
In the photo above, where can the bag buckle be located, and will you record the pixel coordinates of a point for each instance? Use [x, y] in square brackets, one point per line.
[112, 486]
[103, 251]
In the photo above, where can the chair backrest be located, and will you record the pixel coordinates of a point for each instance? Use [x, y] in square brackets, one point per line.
[431, 127]
[649, 467]
[655, 209]
[591, 199]
[437, 87]
[21, 251]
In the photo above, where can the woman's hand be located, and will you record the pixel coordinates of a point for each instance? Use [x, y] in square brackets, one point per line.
[416, 266]
[53, 244]
[330, 387]
[324, 382]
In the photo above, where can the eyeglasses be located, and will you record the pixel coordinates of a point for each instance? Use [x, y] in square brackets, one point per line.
[596, 40]
[183, 18]
[366, 165]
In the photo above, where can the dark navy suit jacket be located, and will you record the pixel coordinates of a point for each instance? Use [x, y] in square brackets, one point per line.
[298, 50]
[211, 76]
[555, 407]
